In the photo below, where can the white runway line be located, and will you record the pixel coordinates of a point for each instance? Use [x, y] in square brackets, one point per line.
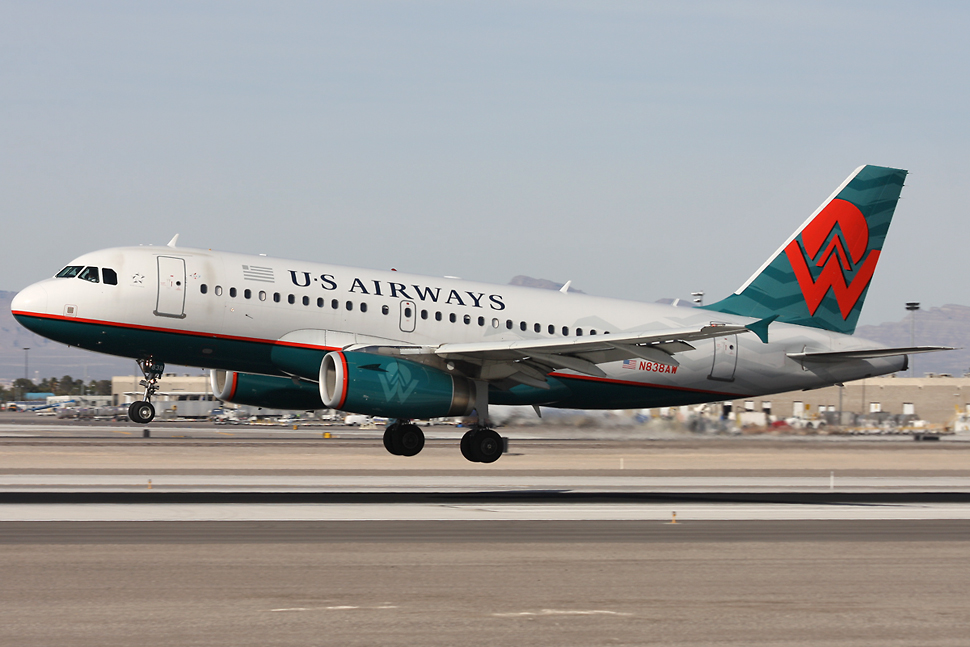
[403, 483]
[492, 512]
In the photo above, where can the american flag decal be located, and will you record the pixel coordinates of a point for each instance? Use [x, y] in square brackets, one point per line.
[256, 273]
[630, 363]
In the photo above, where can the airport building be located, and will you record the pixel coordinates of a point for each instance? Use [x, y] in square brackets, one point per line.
[935, 399]
[938, 400]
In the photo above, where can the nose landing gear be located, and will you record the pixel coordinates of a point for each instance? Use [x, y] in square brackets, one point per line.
[143, 411]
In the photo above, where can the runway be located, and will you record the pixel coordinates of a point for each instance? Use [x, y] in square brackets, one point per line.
[112, 540]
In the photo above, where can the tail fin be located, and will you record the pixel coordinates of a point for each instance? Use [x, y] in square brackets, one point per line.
[820, 276]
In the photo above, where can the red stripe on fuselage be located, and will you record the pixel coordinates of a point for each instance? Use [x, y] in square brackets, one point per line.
[174, 331]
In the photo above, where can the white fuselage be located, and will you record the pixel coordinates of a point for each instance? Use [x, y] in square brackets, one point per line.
[189, 316]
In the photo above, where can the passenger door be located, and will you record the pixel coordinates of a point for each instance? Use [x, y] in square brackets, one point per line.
[725, 358]
[171, 287]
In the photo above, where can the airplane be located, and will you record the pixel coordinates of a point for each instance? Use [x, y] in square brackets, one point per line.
[291, 334]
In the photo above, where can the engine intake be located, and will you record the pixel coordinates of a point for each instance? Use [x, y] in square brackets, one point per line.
[376, 385]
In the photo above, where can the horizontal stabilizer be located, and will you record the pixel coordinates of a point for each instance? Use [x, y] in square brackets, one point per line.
[871, 353]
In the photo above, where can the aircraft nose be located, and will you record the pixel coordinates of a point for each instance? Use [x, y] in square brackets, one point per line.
[30, 300]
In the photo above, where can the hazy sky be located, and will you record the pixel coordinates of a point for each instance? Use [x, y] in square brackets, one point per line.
[643, 150]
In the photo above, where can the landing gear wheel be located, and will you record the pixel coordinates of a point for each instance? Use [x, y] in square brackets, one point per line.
[466, 445]
[391, 439]
[141, 412]
[410, 439]
[487, 446]
[481, 446]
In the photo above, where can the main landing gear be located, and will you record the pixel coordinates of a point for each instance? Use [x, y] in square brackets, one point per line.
[403, 438]
[143, 411]
[482, 445]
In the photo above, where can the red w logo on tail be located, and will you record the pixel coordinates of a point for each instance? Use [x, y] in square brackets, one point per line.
[843, 254]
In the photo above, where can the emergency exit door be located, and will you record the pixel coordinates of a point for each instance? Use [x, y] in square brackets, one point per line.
[171, 287]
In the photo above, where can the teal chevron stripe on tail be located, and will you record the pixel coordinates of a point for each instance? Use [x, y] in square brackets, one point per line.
[820, 276]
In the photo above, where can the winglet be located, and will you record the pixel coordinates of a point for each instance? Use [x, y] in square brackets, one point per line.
[174, 240]
[760, 328]
[565, 288]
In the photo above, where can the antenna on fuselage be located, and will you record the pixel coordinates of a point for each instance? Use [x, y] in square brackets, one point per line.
[174, 240]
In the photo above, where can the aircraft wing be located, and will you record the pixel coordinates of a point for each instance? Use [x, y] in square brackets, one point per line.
[872, 353]
[529, 361]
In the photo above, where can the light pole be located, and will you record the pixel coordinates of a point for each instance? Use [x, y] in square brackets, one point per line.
[912, 307]
[23, 394]
[698, 298]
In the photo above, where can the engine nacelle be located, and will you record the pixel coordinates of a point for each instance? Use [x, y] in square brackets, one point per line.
[376, 385]
[265, 391]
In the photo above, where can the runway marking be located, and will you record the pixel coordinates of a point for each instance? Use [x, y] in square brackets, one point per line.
[561, 612]
[118, 431]
[342, 607]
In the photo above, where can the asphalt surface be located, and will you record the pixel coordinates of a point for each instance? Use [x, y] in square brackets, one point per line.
[560, 543]
[851, 583]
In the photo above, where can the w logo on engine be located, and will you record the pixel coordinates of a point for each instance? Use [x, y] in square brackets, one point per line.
[397, 382]
[837, 240]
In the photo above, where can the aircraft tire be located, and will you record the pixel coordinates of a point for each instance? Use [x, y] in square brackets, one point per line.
[466, 445]
[487, 446]
[141, 412]
[410, 439]
[392, 442]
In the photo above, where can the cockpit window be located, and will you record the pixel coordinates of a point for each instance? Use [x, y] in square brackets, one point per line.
[69, 272]
[89, 274]
[109, 275]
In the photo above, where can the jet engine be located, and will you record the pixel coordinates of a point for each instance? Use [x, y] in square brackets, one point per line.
[377, 385]
[265, 391]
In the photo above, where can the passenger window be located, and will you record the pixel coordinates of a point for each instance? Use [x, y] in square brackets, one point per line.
[203, 288]
[522, 326]
[306, 300]
[291, 299]
[232, 292]
[385, 310]
[495, 323]
[424, 314]
[565, 331]
[481, 321]
[218, 290]
[552, 329]
[109, 276]
[537, 328]
[320, 302]
[467, 319]
[592, 331]
[248, 293]
[69, 272]
[363, 307]
[350, 305]
[89, 274]
[452, 318]
[508, 324]
[335, 304]
[262, 295]
[276, 297]
[407, 313]
[579, 332]
[437, 316]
